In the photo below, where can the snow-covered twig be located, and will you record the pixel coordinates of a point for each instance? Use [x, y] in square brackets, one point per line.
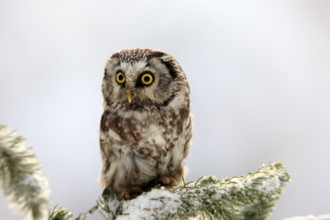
[21, 177]
[244, 197]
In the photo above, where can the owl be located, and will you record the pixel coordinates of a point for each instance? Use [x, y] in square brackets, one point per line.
[146, 125]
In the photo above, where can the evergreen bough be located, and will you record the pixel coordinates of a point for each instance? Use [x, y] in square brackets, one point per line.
[249, 197]
[21, 177]
[252, 196]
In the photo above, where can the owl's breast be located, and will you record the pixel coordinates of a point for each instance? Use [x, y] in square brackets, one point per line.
[150, 134]
[133, 130]
[139, 147]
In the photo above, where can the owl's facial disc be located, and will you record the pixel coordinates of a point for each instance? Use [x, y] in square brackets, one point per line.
[145, 82]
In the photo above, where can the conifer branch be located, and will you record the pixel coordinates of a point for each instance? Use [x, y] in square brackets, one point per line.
[21, 177]
[249, 197]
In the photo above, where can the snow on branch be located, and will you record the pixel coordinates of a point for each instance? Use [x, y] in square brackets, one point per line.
[21, 177]
[244, 197]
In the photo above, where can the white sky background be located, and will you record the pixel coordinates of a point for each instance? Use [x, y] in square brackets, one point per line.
[259, 74]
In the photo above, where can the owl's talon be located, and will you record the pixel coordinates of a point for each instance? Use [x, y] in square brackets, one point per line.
[168, 181]
[130, 193]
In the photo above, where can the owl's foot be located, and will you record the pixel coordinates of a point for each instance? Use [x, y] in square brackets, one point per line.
[126, 194]
[168, 181]
[130, 193]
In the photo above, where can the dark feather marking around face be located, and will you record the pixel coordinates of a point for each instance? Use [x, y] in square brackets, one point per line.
[168, 100]
[170, 64]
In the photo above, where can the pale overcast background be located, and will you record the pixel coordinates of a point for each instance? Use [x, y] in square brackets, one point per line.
[259, 73]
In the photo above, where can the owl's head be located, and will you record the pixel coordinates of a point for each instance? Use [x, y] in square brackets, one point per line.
[138, 78]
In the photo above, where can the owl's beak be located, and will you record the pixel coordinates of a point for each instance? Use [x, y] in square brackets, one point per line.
[129, 96]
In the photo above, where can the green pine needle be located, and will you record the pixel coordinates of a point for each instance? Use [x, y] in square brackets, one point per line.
[59, 214]
[252, 196]
[21, 177]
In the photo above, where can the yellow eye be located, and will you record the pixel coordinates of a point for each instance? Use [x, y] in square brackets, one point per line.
[120, 77]
[147, 79]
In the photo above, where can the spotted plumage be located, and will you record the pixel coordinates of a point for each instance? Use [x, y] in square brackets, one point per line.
[146, 125]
